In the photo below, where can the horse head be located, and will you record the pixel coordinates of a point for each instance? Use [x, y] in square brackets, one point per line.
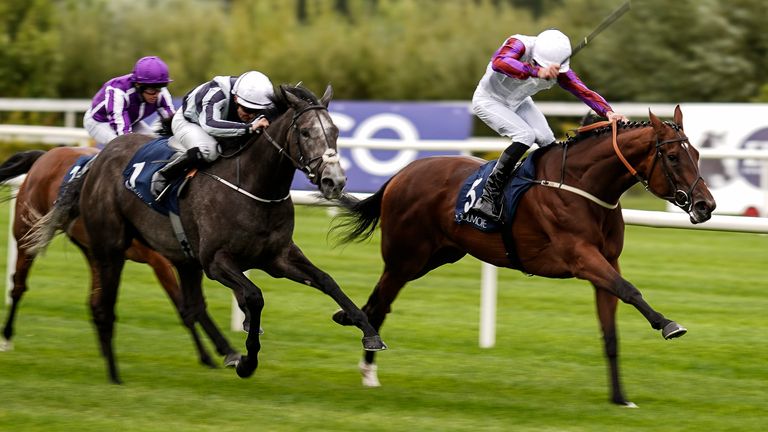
[312, 138]
[674, 173]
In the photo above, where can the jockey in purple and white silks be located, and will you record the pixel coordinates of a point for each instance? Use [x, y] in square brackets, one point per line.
[122, 103]
[520, 68]
[226, 106]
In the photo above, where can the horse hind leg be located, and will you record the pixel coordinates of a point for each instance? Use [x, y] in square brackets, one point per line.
[394, 278]
[105, 277]
[24, 262]
[606, 312]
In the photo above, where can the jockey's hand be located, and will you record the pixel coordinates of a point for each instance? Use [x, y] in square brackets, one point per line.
[615, 116]
[260, 123]
[549, 72]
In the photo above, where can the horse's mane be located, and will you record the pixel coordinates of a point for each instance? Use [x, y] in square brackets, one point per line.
[280, 104]
[581, 136]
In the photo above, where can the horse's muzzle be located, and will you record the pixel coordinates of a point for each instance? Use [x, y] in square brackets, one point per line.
[332, 181]
[701, 210]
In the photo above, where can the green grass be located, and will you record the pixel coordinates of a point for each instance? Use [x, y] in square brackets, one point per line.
[546, 372]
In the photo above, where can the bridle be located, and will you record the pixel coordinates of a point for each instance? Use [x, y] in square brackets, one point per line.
[313, 173]
[329, 156]
[681, 198]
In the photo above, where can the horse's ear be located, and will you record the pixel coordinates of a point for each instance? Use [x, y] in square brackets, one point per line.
[678, 116]
[327, 96]
[292, 99]
[658, 126]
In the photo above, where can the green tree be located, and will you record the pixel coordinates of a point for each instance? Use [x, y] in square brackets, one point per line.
[28, 49]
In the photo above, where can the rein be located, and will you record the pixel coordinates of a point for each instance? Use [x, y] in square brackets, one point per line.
[329, 156]
[680, 198]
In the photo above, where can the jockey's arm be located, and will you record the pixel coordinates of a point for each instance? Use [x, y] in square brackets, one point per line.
[212, 121]
[117, 111]
[165, 108]
[507, 61]
[571, 82]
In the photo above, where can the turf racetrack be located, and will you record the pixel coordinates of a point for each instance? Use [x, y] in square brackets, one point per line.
[546, 373]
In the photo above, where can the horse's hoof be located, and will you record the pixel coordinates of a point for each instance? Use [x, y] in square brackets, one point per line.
[673, 330]
[373, 343]
[244, 369]
[5, 345]
[232, 359]
[341, 318]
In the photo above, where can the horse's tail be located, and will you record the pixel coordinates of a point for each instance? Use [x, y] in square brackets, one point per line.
[358, 218]
[18, 164]
[65, 210]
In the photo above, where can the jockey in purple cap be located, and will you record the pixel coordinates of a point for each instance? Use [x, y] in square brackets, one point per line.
[123, 102]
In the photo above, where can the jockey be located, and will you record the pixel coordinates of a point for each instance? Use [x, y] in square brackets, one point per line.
[227, 106]
[123, 102]
[522, 67]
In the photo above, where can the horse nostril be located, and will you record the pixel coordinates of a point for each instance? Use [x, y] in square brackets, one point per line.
[327, 183]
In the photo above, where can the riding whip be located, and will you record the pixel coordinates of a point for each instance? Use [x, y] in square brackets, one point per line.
[610, 19]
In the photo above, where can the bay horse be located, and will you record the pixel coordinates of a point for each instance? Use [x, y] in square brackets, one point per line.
[36, 196]
[556, 233]
[237, 215]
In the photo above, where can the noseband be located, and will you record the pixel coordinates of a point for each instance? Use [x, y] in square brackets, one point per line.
[681, 198]
[329, 156]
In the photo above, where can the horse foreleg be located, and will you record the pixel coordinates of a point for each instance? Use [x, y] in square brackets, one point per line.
[594, 268]
[606, 313]
[296, 267]
[105, 278]
[222, 268]
[23, 263]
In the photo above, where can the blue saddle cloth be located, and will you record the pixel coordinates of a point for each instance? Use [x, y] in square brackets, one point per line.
[472, 189]
[77, 169]
[138, 175]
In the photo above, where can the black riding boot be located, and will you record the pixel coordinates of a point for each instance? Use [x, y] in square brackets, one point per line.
[175, 169]
[489, 204]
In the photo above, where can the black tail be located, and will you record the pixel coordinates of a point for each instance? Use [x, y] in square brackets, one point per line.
[65, 210]
[358, 218]
[19, 164]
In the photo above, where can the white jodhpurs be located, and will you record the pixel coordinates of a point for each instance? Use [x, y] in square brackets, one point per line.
[188, 135]
[103, 133]
[524, 124]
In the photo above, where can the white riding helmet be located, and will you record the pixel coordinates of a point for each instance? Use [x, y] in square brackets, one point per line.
[253, 90]
[552, 47]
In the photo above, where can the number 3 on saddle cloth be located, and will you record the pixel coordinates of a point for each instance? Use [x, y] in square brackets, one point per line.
[138, 176]
[520, 181]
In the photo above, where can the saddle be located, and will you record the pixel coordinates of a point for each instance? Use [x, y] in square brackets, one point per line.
[137, 175]
[519, 182]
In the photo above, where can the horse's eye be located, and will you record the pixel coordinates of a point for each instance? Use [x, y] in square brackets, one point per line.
[672, 158]
[305, 133]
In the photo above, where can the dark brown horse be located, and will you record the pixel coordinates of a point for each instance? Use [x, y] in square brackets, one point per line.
[237, 215]
[557, 233]
[37, 193]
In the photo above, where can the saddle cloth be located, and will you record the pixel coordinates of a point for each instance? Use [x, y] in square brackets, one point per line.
[138, 175]
[77, 169]
[520, 181]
